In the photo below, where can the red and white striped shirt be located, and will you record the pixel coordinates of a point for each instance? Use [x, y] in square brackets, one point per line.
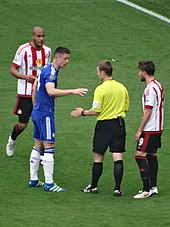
[153, 98]
[30, 61]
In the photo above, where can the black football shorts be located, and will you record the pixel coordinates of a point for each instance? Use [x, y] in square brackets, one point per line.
[23, 109]
[109, 133]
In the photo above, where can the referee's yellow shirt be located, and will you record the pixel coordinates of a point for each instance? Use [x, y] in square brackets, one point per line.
[110, 100]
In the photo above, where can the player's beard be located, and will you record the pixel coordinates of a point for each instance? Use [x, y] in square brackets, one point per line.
[38, 44]
[142, 79]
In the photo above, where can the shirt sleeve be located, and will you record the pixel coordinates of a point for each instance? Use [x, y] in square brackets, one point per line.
[18, 59]
[126, 100]
[149, 98]
[97, 100]
[50, 76]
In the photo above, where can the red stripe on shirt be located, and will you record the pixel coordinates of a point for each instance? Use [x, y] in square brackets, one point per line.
[26, 68]
[34, 58]
[43, 56]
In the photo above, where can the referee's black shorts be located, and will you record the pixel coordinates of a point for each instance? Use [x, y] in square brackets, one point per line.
[109, 133]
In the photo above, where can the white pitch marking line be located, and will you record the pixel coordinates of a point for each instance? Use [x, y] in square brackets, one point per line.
[145, 10]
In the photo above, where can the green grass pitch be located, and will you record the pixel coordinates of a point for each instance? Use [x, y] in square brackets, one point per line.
[94, 30]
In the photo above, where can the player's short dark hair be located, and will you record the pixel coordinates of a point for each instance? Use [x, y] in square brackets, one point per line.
[62, 50]
[105, 66]
[147, 66]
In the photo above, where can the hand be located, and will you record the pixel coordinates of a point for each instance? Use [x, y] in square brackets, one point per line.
[77, 112]
[137, 136]
[30, 78]
[56, 99]
[80, 91]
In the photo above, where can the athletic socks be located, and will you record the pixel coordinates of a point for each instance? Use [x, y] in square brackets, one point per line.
[97, 170]
[118, 173]
[34, 163]
[144, 171]
[48, 165]
[16, 132]
[153, 169]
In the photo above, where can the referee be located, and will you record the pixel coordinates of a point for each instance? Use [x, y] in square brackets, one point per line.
[110, 103]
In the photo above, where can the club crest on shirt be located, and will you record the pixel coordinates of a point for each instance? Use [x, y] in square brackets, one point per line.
[39, 62]
[52, 77]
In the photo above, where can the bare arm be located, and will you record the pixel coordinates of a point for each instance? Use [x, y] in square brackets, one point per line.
[34, 91]
[145, 118]
[81, 112]
[14, 72]
[52, 91]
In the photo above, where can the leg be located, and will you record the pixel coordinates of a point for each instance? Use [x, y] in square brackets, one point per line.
[143, 168]
[118, 172]
[17, 130]
[24, 105]
[48, 162]
[153, 168]
[34, 165]
[48, 166]
[97, 169]
[144, 173]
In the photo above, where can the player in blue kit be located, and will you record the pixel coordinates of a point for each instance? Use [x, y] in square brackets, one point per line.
[44, 93]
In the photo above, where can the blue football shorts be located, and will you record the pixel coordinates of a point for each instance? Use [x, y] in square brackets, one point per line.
[44, 128]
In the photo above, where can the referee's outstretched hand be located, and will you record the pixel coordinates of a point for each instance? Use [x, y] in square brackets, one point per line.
[77, 112]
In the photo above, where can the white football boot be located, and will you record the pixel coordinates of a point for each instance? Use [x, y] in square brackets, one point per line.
[10, 147]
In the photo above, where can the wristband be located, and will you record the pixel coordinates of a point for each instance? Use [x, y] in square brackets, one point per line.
[82, 113]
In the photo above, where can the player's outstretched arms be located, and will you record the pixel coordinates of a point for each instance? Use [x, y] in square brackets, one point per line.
[82, 112]
[52, 91]
[77, 112]
[80, 91]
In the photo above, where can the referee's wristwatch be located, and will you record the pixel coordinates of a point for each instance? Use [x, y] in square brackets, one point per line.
[82, 113]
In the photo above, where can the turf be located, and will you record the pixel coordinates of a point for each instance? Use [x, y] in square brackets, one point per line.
[94, 30]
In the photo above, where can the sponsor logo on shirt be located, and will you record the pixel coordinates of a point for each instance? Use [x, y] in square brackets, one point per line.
[36, 67]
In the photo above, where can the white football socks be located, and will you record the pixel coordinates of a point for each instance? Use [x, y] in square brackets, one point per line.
[34, 163]
[48, 165]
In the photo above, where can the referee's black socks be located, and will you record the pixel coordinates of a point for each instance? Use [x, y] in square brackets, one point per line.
[97, 170]
[118, 173]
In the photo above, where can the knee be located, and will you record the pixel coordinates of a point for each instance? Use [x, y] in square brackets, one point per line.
[22, 126]
[117, 157]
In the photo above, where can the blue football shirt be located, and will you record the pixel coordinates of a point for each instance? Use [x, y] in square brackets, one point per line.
[44, 104]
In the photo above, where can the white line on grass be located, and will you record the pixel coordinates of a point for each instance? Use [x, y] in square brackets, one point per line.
[145, 10]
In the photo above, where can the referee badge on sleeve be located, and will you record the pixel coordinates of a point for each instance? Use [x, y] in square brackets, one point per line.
[95, 104]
